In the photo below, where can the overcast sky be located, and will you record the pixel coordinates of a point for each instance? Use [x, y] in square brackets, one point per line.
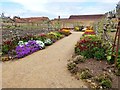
[54, 8]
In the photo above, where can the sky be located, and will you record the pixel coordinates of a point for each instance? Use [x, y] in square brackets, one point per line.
[55, 8]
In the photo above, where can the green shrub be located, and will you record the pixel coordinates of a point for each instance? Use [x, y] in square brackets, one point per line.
[90, 47]
[104, 80]
[5, 49]
[71, 65]
[118, 60]
[106, 83]
[77, 28]
[113, 30]
[99, 53]
[52, 36]
[85, 74]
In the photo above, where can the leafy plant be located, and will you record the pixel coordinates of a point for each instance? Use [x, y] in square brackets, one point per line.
[52, 36]
[90, 47]
[99, 53]
[48, 42]
[104, 80]
[78, 28]
[118, 61]
[85, 74]
[42, 37]
[71, 65]
[106, 83]
[5, 49]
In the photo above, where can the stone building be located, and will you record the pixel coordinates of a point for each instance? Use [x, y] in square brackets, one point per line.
[77, 20]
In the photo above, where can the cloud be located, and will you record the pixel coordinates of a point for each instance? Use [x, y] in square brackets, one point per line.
[33, 5]
[64, 8]
[100, 1]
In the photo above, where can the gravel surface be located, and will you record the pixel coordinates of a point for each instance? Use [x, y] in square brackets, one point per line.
[44, 69]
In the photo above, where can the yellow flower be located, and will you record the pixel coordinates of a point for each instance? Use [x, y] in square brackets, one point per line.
[89, 31]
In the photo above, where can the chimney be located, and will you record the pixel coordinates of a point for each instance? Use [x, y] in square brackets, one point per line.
[59, 17]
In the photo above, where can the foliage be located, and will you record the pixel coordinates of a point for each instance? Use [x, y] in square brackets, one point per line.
[59, 35]
[21, 46]
[106, 83]
[113, 30]
[48, 42]
[78, 28]
[5, 49]
[118, 61]
[85, 74]
[90, 47]
[54, 36]
[104, 80]
[72, 67]
[110, 57]
[27, 38]
[42, 37]
[99, 53]
[9, 45]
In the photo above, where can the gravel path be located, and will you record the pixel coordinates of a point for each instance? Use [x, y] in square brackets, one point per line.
[43, 69]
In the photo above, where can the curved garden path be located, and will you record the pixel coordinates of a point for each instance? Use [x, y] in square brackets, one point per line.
[43, 69]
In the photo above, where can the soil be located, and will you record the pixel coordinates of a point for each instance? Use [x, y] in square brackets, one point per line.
[43, 69]
[99, 67]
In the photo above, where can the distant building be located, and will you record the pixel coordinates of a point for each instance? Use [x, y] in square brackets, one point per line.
[87, 17]
[31, 20]
[75, 20]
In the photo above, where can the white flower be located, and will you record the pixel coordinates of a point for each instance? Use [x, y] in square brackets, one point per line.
[40, 43]
[26, 43]
[48, 41]
[20, 43]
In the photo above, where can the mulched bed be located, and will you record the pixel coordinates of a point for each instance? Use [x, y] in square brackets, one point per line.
[99, 67]
[96, 68]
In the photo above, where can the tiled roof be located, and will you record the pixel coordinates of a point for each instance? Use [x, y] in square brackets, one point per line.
[97, 16]
[32, 19]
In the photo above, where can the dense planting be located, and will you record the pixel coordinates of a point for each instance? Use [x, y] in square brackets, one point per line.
[94, 61]
[90, 46]
[20, 47]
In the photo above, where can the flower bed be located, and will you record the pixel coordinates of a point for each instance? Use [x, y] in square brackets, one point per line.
[89, 32]
[65, 32]
[20, 47]
[78, 28]
[91, 62]
[90, 47]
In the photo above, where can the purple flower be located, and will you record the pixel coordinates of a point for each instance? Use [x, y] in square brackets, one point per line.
[27, 49]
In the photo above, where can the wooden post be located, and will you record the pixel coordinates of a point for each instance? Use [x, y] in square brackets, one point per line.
[117, 36]
[118, 42]
[115, 41]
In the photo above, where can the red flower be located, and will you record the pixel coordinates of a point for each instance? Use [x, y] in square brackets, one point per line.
[42, 35]
[89, 33]
[7, 42]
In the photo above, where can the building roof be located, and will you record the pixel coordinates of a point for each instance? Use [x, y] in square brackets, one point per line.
[97, 16]
[31, 19]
